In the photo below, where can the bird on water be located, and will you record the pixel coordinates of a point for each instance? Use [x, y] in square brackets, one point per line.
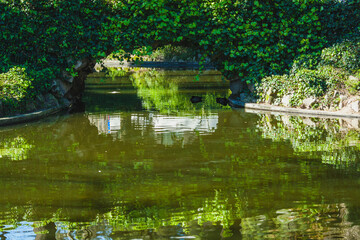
[222, 101]
[196, 99]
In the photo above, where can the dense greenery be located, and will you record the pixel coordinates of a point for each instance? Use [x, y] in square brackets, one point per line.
[327, 78]
[14, 85]
[167, 53]
[246, 40]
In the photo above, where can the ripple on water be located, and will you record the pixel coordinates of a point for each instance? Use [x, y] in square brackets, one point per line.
[21, 230]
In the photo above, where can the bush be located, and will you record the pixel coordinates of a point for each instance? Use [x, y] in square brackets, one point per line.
[169, 53]
[15, 85]
[321, 83]
[344, 55]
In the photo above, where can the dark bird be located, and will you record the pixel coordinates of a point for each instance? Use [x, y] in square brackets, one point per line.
[222, 101]
[196, 99]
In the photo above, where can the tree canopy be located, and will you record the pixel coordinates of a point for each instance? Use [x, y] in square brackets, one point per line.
[245, 39]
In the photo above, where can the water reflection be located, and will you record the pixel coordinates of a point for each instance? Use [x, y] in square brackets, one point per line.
[198, 174]
[336, 141]
[225, 181]
[164, 129]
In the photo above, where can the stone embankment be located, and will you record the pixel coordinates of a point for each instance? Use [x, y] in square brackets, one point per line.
[343, 101]
[348, 108]
[33, 116]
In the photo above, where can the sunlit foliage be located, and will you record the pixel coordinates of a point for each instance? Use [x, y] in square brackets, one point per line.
[246, 40]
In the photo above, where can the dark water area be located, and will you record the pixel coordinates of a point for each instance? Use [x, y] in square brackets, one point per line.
[143, 162]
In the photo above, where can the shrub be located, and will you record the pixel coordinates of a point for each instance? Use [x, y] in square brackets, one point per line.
[15, 85]
[344, 55]
[320, 83]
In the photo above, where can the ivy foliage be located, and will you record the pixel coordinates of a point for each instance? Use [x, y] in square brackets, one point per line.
[14, 84]
[245, 39]
[333, 75]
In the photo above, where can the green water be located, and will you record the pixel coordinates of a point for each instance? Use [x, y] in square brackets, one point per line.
[147, 164]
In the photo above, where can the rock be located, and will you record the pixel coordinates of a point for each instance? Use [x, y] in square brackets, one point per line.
[40, 98]
[354, 123]
[285, 101]
[341, 103]
[352, 233]
[236, 102]
[309, 122]
[60, 88]
[81, 64]
[353, 78]
[355, 106]
[39, 101]
[351, 123]
[247, 98]
[30, 106]
[269, 96]
[243, 97]
[67, 77]
[65, 102]
[236, 86]
[269, 99]
[251, 87]
[286, 120]
[308, 102]
[50, 101]
[78, 65]
[253, 100]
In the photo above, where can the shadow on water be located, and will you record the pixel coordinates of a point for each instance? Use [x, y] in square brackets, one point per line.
[201, 173]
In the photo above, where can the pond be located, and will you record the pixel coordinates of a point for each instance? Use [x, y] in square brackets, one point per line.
[143, 162]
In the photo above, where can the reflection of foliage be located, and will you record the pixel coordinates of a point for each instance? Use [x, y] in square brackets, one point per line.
[137, 186]
[289, 223]
[161, 92]
[116, 72]
[16, 148]
[315, 136]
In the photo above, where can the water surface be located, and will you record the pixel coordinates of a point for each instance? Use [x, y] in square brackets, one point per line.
[143, 162]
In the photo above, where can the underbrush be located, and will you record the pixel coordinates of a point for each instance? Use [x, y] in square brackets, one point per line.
[167, 53]
[326, 79]
[15, 86]
[20, 92]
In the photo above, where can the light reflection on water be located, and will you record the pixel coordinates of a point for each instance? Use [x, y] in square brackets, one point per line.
[165, 128]
[197, 173]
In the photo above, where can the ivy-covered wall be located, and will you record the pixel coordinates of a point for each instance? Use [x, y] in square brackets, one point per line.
[246, 39]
